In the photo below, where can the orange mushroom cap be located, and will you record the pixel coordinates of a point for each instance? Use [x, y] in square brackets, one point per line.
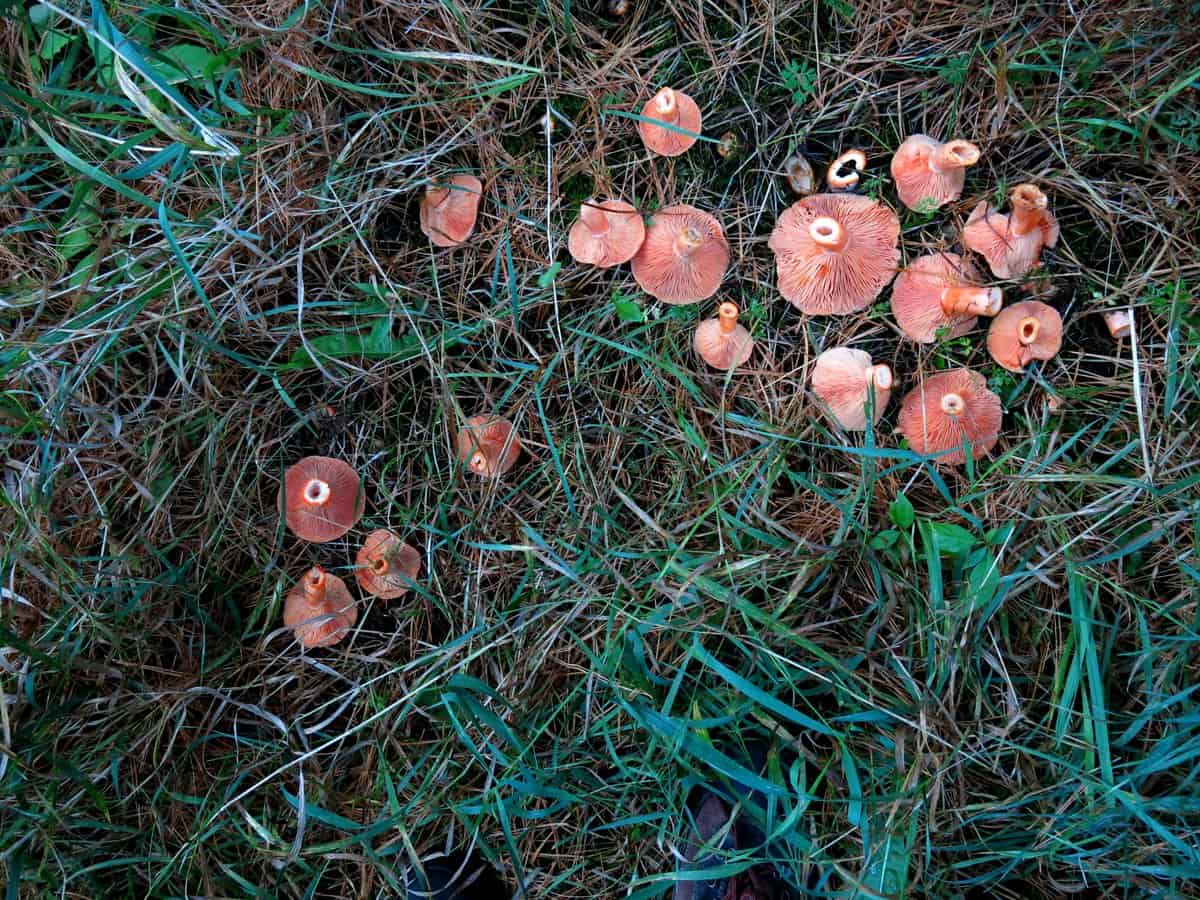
[834, 253]
[938, 293]
[385, 565]
[845, 380]
[722, 342]
[677, 109]
[606, 234]
[1024, 332]
[948, 408]
[926, 170]
[320, 498]
[846, 171]
[1012, 243]
[488, 445]
[319, 609]
[449, 210]
[684, 256]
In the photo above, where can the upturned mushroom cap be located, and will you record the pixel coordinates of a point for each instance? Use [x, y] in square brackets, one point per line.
[488, 445]
[1012, 243]
[320, 498]
[945, 409]
[449, 210]
[937, 293]
[722, 342]
[319, 609]
[606, 233]
[846, 171]
[673, 108]
[834, 253]
[845, 381]
[385, 565]
[927, 171]
[684, 256]
[1024, 332]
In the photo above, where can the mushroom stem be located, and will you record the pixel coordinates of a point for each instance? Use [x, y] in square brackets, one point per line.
[1028, 207]
[689, 241]
[727, 313]
[856, 160]
[1027, 330]
[880, 376]
[593, 217]
[478, 462]
[828, 233]
[952, 404]
[969, 300]
[314, 583]
[316, 492]
[1119, 323]
[379, 565]
[953, 155]
[666, 104]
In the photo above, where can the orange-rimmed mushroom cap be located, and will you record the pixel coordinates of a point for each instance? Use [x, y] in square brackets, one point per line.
[846, 171]
[1012, 243]
[722, 342]
[385, 565]
[846, 381]
[684, 256]
[606, 233]
[1024, 332]
[321, 498]
[834, 253]
[488, 445]
[319, 609]
[927, 171]
[938, 293]
[948, 408]
[674, 108]
[449, 210]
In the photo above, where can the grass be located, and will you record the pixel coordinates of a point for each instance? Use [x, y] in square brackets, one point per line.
[975, 683]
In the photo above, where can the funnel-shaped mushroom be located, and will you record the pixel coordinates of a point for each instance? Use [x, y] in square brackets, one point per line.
[1119, 323]
[606, 234]
[1024, 332]
[947, 409]
[448, 211]
[488, 445]
[319, 609]
[937, 293]
[835, 252]
[928, 171]
[385, 565]
[847, 381]
[846, 171]
[675, 109]
[722, 342]
[684, 256]
[1012, 244]
[320, 498]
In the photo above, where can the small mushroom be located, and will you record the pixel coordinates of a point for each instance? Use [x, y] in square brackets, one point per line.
[834, 253]
[799, 175]
[846, 171]
[674, 108]
[947, 409]
[1012, 243]
[926, 170]
[1024, 332]
[1119, 323]
[448, 212]
[606, 234]
[488, 445]
[320, 498]
[319, 609]
[846, 381]
[937, 293]
[385, 565]
[684, 256]
[722, 342]
[728, 146]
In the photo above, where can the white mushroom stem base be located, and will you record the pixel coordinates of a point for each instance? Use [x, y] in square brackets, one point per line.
[968, 300]
[953, 405]
[1027, 330]
[316, 492]
[689, 241]
[827, 232]
[880, 376]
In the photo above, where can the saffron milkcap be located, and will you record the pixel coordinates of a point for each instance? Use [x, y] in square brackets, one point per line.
[673, 108]
[449, 210]
[722, 342]
[488, 445]
[319, 609]
[846, 171]
[936, 294]
[606, 233]
[321, 498]
[846, 381]
[946, 408]
[1012, 243]
[1024, 332]
[385, 565]
[684, 256]
[927, 171]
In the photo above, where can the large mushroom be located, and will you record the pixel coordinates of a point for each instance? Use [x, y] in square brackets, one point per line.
[676, 110]
[1012, 243]
[722, 342]
[1024, 332]
[385, 565]
[926, 171]
[937, 293]
[319, 609]
[448, 211]
[320, 498]
[834, 253]
[684, 256]
[488, 445]
[606, 233]
[847, 382]
[946, 410]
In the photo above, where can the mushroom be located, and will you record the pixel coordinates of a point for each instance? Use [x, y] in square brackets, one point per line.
[684, 256]
[926, 170]
[488, 445]
[845, 171]
[1119, 323]
[448, 212]
[320, 498]
[385, 565]
[722, 342]
[1024, 332]
[846, 381]
[937, 293]
[835, 252]
[674, 108]
[319, 609]
[606, 234]
[947, 409]
[799, 174]
[1012, 243]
